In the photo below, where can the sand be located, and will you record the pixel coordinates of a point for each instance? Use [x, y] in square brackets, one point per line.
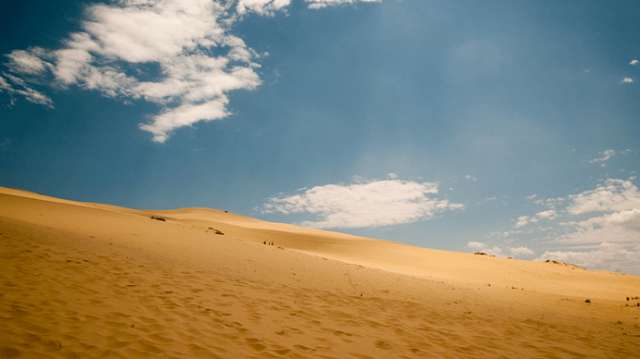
[88, 280]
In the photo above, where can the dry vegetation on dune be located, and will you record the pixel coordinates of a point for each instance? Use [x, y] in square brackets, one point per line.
[88, 280]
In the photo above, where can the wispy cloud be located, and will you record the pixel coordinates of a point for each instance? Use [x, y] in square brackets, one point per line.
[627, 81]
[521, 251]
[471, 178]
[604, 156]
[14, 86]
[366, 203]
[634, 62]
[542, 215]
[191, 41]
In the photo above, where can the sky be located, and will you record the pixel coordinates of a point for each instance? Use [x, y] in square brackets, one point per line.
[508, 127]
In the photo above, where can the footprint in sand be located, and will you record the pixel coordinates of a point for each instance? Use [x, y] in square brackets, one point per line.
[256, 344]
[381, 344]
[9, 352]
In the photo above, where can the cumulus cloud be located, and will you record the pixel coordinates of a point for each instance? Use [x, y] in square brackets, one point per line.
[634, 62]
[627, 80]
[367, 203]
[319, 4]
[121, 44]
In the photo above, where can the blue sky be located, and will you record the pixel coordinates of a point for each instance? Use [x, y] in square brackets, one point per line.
[510, 127]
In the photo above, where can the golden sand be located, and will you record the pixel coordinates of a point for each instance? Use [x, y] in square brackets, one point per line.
[88, 280]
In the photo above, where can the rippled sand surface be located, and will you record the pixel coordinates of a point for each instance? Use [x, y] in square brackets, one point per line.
[88, 280]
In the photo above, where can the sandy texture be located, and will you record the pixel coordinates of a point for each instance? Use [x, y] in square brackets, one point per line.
[88, 280]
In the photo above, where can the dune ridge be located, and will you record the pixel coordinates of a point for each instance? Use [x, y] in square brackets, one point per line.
[92, 280]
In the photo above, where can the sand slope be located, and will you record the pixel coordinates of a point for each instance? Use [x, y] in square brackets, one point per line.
[90, 280]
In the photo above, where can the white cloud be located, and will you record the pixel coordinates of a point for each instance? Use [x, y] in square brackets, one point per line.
[120, 44]
[319, 4]
[542, 215]
[598, 228]
[522, 221]
[185, 115]
[634, 62]
[471, 178]
[27, 61]
[548, 214]
[498, 251]
[627, 80]
[476, 245]
[521, 251]
[603, 157]
[611, 196]
[605, 255]
[262, 7]
[364, 204]
[484, 248]
[14, 86]
[172, 27]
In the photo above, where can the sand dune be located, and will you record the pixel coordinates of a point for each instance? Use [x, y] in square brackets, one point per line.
[90, 280]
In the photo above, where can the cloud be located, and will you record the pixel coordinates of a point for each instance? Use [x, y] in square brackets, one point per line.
[483, 247]
[522, 221]
[543, 215]
[498, 251]
[27, 61]
[476, 245]
[262, 7]
[603, 157]
[597, 228]
[605, 255]
[363, 204]
[185, 115]
[178, 54]
[521, 251]
[471, 178]
[319, 4]
[548, 214]
[14, 86]
[627, 80]
[613, 195]
[634, 62]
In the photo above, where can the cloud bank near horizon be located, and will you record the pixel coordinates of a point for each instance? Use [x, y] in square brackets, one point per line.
[596, 228]
[191, 42]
